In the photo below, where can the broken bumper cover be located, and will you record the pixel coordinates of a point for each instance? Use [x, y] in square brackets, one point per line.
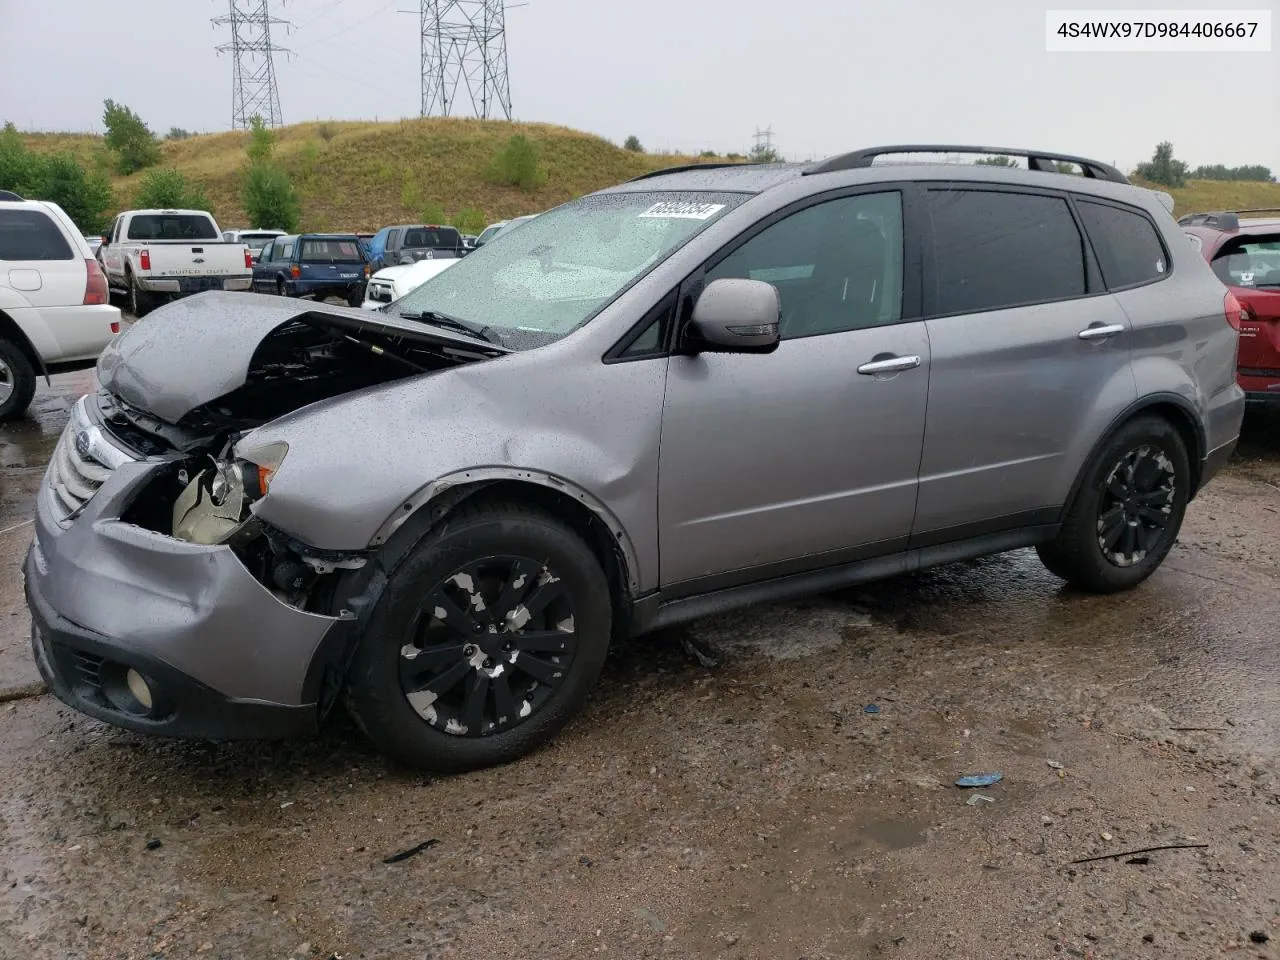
[222, 657]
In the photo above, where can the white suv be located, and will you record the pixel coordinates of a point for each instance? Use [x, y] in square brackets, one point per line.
[54, 309]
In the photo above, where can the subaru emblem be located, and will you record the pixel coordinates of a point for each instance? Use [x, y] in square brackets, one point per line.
[82, 444]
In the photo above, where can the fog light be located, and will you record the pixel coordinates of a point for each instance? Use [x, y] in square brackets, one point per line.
[138, 687]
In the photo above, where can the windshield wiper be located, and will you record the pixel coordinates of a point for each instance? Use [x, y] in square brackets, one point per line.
[476, 330]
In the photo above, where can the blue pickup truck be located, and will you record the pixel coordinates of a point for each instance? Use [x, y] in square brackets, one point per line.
[315, 265]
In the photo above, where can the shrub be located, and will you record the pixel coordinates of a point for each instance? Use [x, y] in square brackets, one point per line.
[177, 133]
[168, 189]
[432, 213]
[327, 131]
[261, 141]
[85, 195]
[269, 198]
[706, 154]
[131, 140]
[633, 143]
[517, 165]
[469, 220]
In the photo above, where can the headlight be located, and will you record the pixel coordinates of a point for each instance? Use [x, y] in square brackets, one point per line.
[261, 461]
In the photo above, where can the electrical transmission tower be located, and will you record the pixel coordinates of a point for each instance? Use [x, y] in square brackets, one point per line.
[253, 91]
[464, 54]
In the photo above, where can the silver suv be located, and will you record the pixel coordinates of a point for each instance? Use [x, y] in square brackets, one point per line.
[703, 388]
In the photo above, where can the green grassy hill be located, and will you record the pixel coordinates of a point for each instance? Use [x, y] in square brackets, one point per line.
[361, 175]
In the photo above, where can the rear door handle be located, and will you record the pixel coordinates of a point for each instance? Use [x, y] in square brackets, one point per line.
[889, 365]
[1101, 331]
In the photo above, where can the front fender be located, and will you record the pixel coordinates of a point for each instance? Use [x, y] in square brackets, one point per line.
[359, 463]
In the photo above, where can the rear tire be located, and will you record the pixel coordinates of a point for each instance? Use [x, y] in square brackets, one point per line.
[355, 297]
[139, 300]
[17, 381]
[1126, 514]
[281, 291]
[487, 640]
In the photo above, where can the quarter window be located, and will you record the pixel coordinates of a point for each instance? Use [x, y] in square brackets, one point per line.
[1128, 248]
[30, 235]
[993, 250]
[837, 265]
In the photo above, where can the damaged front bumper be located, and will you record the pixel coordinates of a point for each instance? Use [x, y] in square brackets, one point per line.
[219, 654]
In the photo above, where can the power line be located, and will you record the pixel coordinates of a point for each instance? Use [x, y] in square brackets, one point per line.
[253, 86]
[463, 48]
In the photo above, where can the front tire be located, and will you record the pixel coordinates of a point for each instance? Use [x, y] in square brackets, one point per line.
[17, 381]
[1126, 515]
[486, 641]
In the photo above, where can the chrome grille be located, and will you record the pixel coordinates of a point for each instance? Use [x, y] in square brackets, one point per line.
[82, 462]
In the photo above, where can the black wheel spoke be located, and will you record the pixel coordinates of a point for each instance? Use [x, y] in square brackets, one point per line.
[539, 669]
[477, 694]
[1113, 526]
[544, 594]
[519, 582]
[1129, 542]
[428, 661]
[550, 641]
[1154, 498]
[1117, 489]
[460, 620]
[1157, 518]
[442, 683]
[1146, 474]
[504, 705]
[1140, 539]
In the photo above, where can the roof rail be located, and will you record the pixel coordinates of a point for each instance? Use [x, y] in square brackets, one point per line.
[1223, 219]
[10, 196]
[681, 168]
[1036, 159]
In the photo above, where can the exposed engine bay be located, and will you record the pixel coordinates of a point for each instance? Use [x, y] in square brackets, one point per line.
[205, 492]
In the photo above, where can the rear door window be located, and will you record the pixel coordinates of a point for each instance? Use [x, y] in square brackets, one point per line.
[439, 237]
[1127, 245]
[31, 235]
[171, 226]
[993, 249]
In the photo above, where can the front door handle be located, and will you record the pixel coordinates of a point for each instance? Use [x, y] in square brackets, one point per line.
[889, 365]
[1101, 331]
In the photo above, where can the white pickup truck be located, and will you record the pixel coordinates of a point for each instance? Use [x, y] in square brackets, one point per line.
[151, 256]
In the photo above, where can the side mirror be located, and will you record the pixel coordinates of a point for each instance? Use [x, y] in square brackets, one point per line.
[105, 240]
[735, 316]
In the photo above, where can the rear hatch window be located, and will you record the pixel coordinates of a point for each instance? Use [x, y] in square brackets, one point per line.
[1250, 262]
[432, 237]
[331, 251]
[171, 226]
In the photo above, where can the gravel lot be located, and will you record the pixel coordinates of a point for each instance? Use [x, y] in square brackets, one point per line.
[753, 808]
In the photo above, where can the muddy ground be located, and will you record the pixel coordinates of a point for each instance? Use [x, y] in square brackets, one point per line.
[749, 809]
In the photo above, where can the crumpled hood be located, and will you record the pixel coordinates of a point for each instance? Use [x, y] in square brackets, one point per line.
[195, 350]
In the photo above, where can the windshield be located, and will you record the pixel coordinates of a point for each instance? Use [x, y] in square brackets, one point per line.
[331, 250]
[431, 237]
[171, 226]
[535, 284]
[1250, 262]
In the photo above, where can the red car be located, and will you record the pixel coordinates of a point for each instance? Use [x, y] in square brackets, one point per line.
[1244, 251]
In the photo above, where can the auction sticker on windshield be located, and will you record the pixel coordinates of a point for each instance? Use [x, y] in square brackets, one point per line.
[683, 210]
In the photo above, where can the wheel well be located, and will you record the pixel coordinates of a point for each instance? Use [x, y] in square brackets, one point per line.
[9, 330]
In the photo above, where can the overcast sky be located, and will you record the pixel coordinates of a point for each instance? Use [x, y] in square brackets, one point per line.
[827, 75]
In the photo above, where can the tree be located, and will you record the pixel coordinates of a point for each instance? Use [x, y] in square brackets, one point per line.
[84, 195]
[1163, 168]
[469, 220]
[269, 197]
[633, 143]
[1217, 171]
[177, 133]
[1000, 161]
[129, 139]
[517, 165]
[168, 189]
[764, 153]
